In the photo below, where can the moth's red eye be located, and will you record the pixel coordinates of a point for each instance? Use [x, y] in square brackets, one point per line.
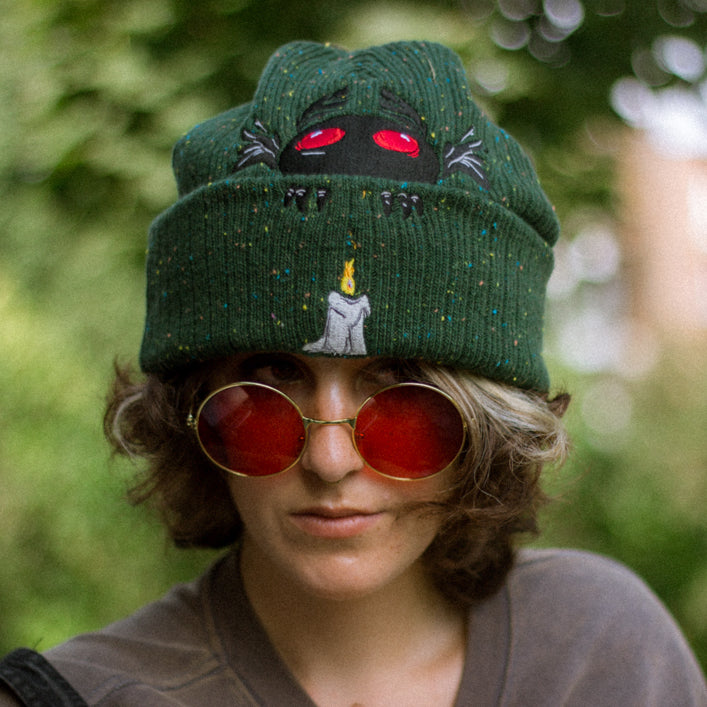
[320, 138]
[397, 142]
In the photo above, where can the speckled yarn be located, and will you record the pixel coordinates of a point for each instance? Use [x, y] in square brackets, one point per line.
[361, 204]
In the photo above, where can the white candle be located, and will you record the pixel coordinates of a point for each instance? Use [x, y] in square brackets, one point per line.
[343, 331]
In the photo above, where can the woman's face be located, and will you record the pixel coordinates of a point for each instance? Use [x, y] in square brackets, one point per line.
[330, 526]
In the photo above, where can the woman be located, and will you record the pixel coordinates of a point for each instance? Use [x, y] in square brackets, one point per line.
[344, 383]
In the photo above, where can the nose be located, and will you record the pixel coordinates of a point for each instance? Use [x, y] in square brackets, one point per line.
[330, 451]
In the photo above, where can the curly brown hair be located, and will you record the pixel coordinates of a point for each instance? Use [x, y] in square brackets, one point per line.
[512, 435]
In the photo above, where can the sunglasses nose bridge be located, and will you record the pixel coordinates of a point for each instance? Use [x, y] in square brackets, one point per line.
[330, 455]
[307, 421]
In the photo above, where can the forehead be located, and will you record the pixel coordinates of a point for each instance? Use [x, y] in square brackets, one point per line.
[233, 366]
[337, 364]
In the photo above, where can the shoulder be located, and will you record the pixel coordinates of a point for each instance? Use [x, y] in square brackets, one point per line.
[158, 643]
[587, 596]
[595, 623]
[156, 656]
[578, 581]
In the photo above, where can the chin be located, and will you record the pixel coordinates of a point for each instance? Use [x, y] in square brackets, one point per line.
[349, 578]
[336, 590]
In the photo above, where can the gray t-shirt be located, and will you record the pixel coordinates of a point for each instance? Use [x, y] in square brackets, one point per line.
[567, 628]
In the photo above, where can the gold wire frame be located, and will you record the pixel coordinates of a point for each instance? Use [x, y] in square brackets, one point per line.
[193, 423]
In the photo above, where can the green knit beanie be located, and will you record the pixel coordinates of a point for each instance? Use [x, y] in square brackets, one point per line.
[360, 205]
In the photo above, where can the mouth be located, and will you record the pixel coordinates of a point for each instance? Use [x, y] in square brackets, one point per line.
[335, 523]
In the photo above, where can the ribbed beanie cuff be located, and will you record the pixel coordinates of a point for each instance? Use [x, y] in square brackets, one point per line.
[361, 205]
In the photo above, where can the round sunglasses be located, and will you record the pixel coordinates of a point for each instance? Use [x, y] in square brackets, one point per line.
[404, 431]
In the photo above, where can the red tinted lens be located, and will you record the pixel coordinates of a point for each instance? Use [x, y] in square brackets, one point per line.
[250, 429]
[409, 431]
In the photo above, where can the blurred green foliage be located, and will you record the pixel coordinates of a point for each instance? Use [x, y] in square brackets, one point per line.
[93, 93]
[637, 492]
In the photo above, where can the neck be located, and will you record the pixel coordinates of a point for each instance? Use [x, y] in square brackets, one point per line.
[406, 624]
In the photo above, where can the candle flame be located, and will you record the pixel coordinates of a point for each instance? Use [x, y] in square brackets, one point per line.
[348, 284]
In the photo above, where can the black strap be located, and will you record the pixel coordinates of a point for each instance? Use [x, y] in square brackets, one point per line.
[31, 677]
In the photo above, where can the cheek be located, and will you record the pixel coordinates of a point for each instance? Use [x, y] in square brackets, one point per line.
[255, 499]
[436, 488]
[417, 521]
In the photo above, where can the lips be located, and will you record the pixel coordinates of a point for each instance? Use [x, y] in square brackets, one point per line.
[334, 523]
[335, 511]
